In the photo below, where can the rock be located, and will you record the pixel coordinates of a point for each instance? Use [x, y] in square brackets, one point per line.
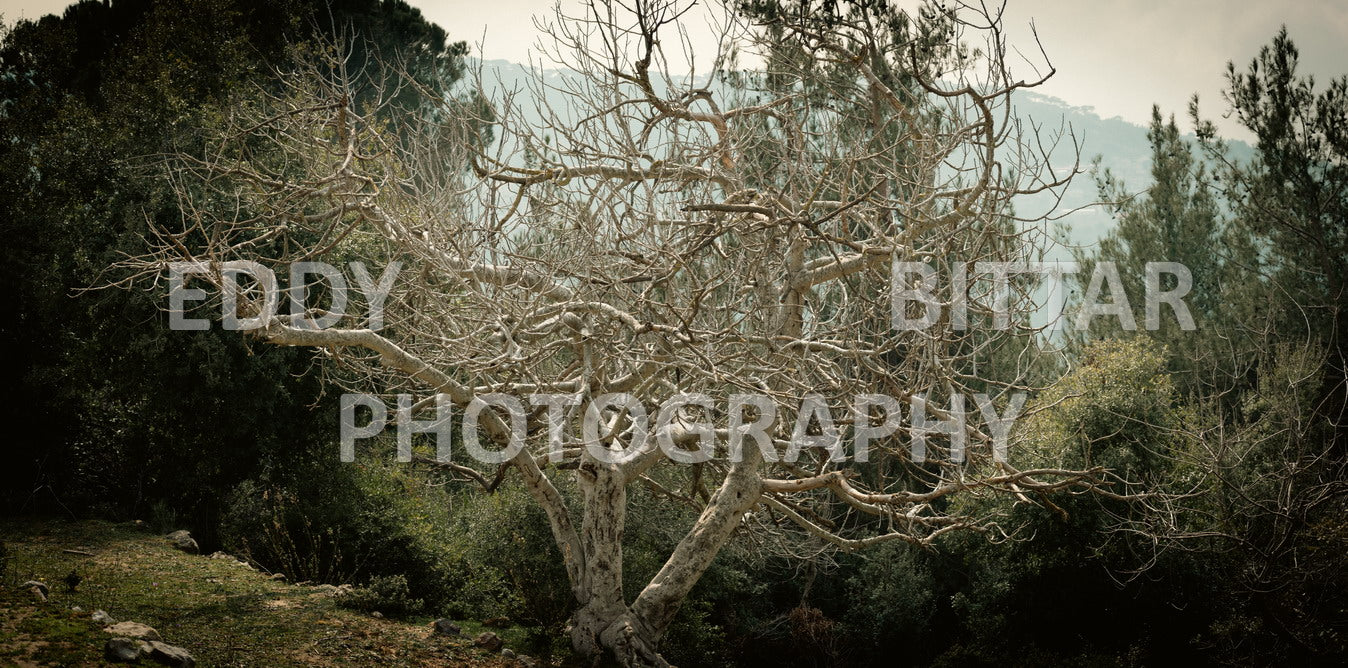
[497, 622]
[334, 590]
[446, 627]
[171, 655]
[527, 661]
[126, 649]
[488, 641]
[39, 593]
[102, 617]
[76, 609]
[184, 541]
[225, 556]
[277, 576]
[377, 614]
[133, 630]
[507, 654]
[40, 586]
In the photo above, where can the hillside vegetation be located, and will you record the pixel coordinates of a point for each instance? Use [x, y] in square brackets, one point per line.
[224, 613]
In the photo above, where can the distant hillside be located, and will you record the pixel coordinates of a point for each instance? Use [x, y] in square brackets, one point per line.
[1122, 146]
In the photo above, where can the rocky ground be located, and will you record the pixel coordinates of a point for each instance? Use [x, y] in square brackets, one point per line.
[199, 609]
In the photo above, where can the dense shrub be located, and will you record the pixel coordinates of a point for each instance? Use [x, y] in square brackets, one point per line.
[386, 594]
[324, 521]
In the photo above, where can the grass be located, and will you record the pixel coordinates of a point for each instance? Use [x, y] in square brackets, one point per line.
[223, 613]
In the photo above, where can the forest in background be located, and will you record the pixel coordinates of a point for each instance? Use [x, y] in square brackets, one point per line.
[119, 417]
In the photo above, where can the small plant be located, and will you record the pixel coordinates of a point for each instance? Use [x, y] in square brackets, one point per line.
[385, 594]
[273, 527]
[163, 517]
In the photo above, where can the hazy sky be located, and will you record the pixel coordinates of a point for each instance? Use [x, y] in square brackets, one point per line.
[1119, 57]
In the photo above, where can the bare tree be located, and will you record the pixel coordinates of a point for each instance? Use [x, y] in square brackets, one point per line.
[661, 235]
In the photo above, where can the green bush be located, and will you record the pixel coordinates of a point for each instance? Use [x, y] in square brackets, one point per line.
[894, 592]
[508, 564]
[325, 521]
[1060, 589]
[387, 594]
[462, 553]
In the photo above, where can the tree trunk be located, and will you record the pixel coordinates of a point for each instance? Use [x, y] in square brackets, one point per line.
[615, 636]
[605, 627]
